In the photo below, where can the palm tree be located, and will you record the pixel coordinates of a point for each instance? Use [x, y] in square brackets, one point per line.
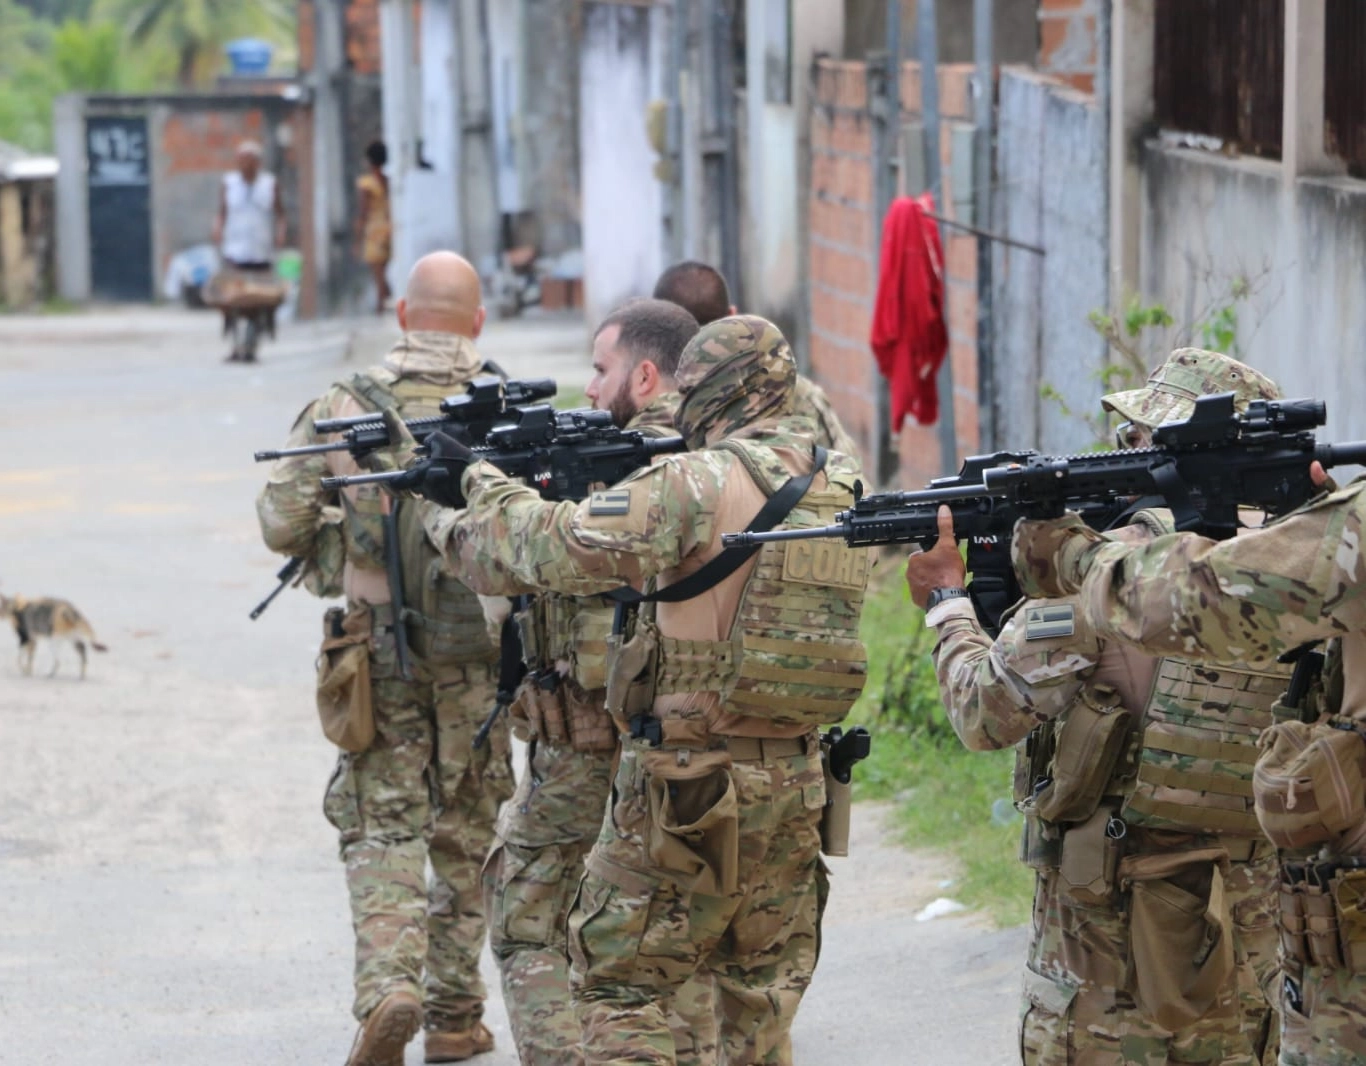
[195, 31]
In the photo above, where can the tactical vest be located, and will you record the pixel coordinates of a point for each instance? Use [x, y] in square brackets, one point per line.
[794, 656]
[566, 708]
[445, 622]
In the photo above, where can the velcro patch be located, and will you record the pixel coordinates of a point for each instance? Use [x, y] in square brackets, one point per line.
[825, 562]
[1048, 623]
[610, 502]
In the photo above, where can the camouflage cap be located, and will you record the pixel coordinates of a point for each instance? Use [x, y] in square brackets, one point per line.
[1189, 373]
[735, 371]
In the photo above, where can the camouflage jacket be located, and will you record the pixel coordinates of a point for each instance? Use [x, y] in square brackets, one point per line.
[299, 517]
[1249, 598]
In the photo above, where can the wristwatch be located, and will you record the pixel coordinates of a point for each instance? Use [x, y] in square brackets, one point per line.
[938, 596]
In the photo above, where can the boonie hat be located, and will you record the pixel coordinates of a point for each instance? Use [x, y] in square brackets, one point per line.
[1188, 374]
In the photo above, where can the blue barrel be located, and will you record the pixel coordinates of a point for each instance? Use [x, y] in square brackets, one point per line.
[249, 56]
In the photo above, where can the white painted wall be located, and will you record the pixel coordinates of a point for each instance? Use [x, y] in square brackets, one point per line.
[622, 200]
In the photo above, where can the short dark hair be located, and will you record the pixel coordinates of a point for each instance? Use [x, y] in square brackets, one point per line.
[657, 330]
[699, 288]
[377, 153]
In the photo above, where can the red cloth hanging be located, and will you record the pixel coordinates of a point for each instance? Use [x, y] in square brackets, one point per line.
[909, 336]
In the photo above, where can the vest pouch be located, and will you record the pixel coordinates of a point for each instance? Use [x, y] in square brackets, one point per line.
[631, 673]
[344, 702]
[1033, 755]
[1321, 926]
[1349, 894]
[545, 712]
[1291, 921]
[1180, 934]
[585, 717]
[1090, 857]
[1309, 783]
[1089, 744]
[693, 829]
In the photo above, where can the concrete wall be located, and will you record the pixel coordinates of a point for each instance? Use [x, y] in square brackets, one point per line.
[1051, 193]
[622, 199]
[1208, 219]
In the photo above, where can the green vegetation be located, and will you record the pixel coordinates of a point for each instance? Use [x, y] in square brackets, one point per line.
[50, 47]
[946, 797]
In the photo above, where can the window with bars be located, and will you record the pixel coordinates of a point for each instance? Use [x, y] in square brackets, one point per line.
[1344, 82]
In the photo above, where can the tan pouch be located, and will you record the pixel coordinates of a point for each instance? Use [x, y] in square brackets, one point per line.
[1292, 922]
[1321, 926]
[344, 703]
[1090, 857]
[1180, 940]
[1088, 746]
[694, 823]
[1309, 783]
[631, 673]
[590, 729]
[1040, 843]
[1349, 893]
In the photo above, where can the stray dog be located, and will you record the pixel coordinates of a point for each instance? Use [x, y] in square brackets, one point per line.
[52, 620]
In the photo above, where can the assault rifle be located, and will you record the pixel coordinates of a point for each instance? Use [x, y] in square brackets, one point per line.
[486, 403]
[287, 574]
[562, 454]
[1204, 468]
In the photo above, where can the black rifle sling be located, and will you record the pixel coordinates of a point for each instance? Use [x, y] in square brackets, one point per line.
[714, 571]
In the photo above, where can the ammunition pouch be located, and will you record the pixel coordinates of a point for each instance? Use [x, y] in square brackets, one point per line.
[1089, 857]
[1180, 933]
[564, 714]
[344, 701]
[1309, 782]
[693, 831]
[1087, 746]
[1323, 915]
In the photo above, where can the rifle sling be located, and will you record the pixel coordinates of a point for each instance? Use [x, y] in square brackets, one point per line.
[714, 571]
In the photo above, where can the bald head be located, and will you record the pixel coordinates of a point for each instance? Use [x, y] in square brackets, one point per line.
[443, 296]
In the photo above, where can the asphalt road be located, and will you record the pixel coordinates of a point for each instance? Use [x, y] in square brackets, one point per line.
[169, 889]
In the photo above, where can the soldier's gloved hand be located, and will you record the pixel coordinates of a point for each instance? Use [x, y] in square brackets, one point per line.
[448, 455]
[1050, 554]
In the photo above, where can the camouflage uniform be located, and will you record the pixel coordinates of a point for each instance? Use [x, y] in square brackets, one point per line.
[419, 792]
[1254, 596]
[731, 791]
[1049, 677]
[536, 864]
[810, 401]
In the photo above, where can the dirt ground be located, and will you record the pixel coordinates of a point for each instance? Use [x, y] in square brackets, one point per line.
[170, 889]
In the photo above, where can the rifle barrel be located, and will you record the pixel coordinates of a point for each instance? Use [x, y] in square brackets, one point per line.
[307, 449]
[747, 539]
[1353, 453]
[362, 479]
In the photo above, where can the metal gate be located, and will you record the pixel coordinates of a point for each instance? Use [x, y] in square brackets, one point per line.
[119, 183]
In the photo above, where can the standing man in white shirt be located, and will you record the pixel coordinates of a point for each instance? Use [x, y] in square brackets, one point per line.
[249, 227]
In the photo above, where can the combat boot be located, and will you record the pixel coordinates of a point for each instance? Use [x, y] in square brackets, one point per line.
[386, 1031]
[459, 1045]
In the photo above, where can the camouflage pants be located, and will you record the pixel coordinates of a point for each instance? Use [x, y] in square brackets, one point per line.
[421, 793]
[636, 934]
[1078, 1009]
[530, 878]
[1327, 1026]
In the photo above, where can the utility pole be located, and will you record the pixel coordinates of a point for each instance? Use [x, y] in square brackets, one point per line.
[984, 119]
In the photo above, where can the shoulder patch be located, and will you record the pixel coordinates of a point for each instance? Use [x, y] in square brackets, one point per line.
[1048, 623]
[610, 502]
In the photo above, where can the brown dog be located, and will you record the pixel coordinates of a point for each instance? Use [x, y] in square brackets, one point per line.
[48, 619]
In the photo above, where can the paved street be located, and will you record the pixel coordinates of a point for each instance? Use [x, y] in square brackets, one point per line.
[169, 889]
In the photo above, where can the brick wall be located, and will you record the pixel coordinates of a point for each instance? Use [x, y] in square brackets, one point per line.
[198, 141]
[1067, 41]
[843, 264]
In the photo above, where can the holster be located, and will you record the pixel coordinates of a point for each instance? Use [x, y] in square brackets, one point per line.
[839, 802]
[694, 825]
[344, 702]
